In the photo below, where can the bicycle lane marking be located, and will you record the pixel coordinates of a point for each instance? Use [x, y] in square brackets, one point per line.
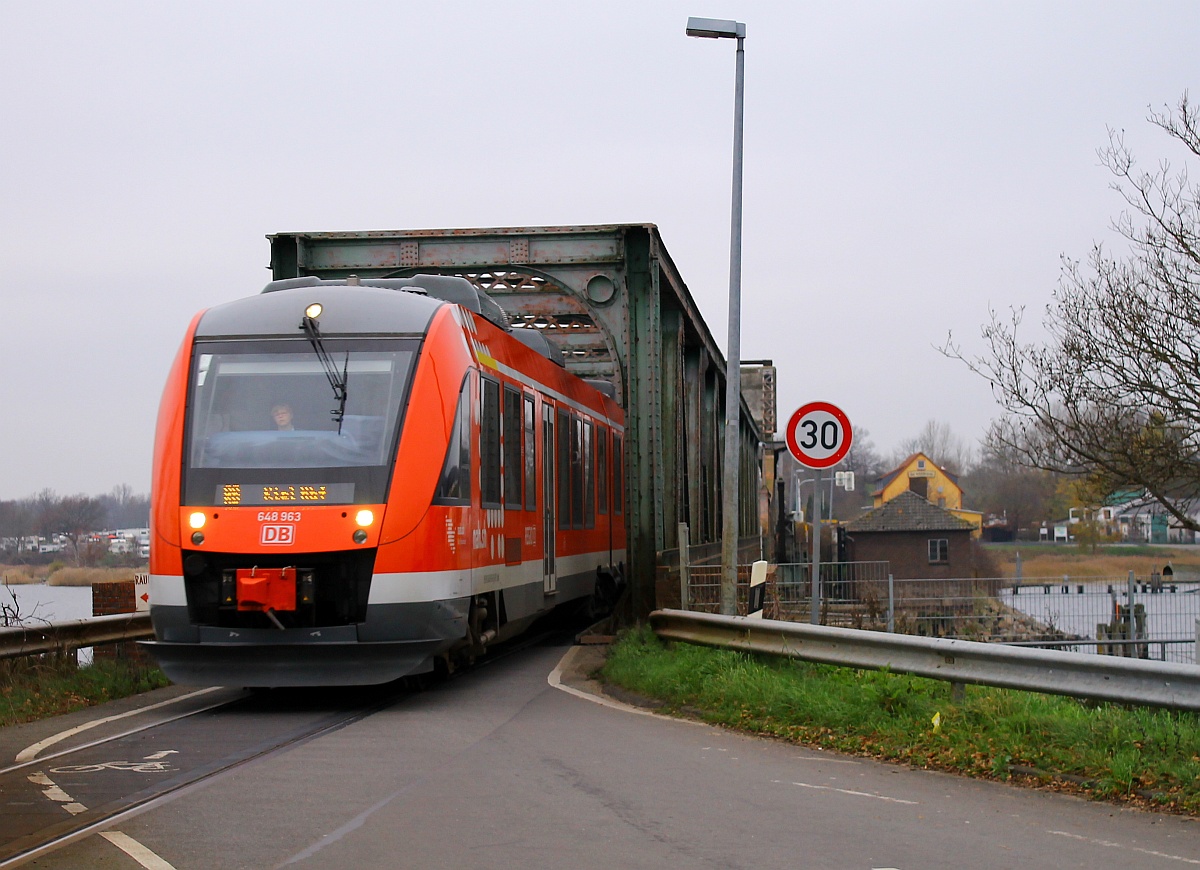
[147, 858]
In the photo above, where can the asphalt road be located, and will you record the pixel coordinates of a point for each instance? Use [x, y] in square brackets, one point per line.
[499, 768]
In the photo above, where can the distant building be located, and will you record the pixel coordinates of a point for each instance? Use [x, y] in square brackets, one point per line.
[919, 539]
[921, 475]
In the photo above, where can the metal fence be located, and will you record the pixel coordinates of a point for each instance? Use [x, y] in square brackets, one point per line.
[1136, 616]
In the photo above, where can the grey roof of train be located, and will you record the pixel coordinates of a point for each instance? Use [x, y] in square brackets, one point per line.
[348, 310]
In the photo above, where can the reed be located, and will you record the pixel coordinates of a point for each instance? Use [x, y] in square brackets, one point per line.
[88, 576]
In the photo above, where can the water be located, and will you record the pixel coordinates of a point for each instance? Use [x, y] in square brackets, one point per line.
[38, 603]
[1169, 615]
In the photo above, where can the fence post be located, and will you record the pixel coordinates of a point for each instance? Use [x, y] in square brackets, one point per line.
[892, 608]
[684, 572]
[1130, 649]
[1196, 655]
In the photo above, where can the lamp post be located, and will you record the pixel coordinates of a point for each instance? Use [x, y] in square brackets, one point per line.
[715, 28]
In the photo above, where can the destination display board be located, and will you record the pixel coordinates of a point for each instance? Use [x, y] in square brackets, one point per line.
[257, 494]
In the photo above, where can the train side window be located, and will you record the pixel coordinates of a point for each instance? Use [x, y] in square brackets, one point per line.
[530, 458]
[489, 443]
[576, 473]
[564, 470]
[513, 454]
[602, 469]
[589, 475]
[618, 464]
[454, 484]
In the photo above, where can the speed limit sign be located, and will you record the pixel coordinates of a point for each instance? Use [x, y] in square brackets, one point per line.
[819, 435]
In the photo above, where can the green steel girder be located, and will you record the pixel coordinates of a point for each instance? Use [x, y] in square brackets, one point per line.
[611, 298]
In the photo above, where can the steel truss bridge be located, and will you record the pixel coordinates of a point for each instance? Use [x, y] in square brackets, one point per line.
[612, 300]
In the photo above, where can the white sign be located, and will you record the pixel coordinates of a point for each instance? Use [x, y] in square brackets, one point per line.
[758, 590]
[141, 593]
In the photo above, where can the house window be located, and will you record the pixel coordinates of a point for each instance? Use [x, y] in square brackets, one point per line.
[920, 463]
[939, 551]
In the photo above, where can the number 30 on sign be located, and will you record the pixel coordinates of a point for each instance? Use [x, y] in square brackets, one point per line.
[819, 435]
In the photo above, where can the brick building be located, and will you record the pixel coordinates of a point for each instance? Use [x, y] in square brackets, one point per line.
[919, 539]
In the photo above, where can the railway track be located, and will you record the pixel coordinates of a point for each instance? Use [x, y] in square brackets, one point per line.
[56, 798]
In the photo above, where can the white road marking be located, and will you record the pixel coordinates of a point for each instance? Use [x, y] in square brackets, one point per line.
[866, 794]
[1111, 845]
[555, 680]
[56, 794]
[136, 850]
[162, 754]
[31, 752]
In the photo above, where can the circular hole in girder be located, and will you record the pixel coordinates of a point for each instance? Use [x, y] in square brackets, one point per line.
[600, 289]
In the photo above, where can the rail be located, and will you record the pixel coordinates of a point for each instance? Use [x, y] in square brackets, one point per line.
[1107, 678]
[51, 637]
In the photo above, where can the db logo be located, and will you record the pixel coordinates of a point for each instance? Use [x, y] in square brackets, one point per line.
[278, 535]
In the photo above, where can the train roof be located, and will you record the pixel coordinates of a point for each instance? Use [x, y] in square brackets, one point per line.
[370, 305]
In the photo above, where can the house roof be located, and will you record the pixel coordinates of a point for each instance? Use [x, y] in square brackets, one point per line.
[882, 482]
[908, 512]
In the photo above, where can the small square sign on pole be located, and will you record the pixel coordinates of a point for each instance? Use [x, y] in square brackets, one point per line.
[141, 593]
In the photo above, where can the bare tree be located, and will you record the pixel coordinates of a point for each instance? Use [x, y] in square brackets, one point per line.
[1000, 486]
[78, 515]
[1114, 392]
[937, 441]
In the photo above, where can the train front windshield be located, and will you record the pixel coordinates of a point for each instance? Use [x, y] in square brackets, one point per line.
[266, 424]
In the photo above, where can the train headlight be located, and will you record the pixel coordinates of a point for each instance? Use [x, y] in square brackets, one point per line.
[313, 311]
[364, 518]
[360, 536]
[197, 538]
[196, 520]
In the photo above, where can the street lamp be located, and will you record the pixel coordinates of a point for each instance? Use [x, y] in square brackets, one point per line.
[716, 28]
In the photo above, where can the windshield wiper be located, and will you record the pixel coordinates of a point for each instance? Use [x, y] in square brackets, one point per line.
[338, 381]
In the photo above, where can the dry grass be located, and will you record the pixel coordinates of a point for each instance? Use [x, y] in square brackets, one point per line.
[23, 575]
[88, 576]
[1041, 560]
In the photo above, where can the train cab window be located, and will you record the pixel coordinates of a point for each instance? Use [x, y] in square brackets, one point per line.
[564, 469]
[454, 484]
[489, 443]
[602, 469]
[589, 483]
[513, 454]
[530, 458]
[618, 464]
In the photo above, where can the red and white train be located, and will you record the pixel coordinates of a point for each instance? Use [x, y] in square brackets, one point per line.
[356, 480]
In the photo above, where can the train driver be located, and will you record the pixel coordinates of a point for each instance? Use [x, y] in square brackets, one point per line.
[282, 414]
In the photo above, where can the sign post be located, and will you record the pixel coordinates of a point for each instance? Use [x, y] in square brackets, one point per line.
[819, 435]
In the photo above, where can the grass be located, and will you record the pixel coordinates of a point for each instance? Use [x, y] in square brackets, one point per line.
[56, 574]
[18, 576]
[1135, 755]
[1050, 560]
[88, 576]
[40, 687]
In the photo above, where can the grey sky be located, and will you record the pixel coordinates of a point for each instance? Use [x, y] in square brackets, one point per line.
[907, 165]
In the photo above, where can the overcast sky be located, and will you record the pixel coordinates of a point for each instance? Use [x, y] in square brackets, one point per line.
[907, 165]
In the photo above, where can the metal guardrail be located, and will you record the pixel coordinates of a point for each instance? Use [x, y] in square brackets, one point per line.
[61, 636]
[1107, 678]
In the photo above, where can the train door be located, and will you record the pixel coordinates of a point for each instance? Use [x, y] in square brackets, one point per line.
[549, 519]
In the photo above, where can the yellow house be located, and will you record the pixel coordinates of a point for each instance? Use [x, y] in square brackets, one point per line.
[920, 474]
